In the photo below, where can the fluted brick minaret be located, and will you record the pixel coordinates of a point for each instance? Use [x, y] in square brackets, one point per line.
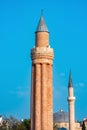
[41, 88]
[71, 100]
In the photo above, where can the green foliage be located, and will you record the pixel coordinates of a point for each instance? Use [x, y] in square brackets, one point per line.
[26, 124]
[55, 127]
[14, 124]
[83, 126]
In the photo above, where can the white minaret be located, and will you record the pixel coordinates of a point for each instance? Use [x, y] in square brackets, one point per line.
[71, 100]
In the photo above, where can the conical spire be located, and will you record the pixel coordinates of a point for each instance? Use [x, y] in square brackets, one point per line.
[41, 25]
[70, 79]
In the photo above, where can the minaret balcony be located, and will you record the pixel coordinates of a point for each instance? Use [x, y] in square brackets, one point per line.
[71, 98]
[41, 54]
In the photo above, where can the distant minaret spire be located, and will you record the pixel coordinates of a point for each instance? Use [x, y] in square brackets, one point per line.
[70, 79]
[71, 100]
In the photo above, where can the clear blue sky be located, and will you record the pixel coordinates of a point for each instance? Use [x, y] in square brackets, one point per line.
[67, 23]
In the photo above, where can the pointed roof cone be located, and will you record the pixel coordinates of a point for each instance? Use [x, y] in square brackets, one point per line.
[42, 25]
[70, 80]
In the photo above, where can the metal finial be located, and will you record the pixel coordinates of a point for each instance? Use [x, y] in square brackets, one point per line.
[42, 12]
[70, 74]
[41, 25]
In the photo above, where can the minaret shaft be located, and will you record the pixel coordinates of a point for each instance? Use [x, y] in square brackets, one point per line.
[49, 97]
[71, 116]
[32, 112]
[41, 89]
[37, 97]
[44, 97]
[41, 103]
[40, 36]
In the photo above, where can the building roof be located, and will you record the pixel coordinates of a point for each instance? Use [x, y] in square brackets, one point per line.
[61, 116]
[42, 25]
